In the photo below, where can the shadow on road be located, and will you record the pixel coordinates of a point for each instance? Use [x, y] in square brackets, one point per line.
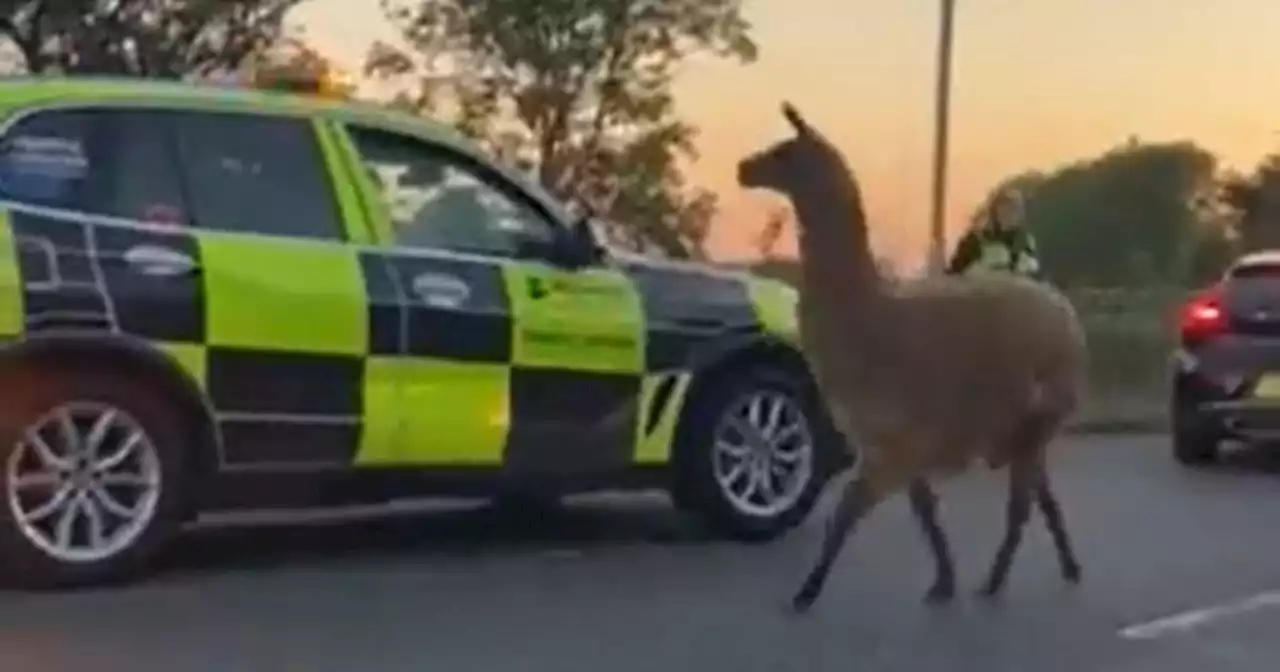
[1254, 459]
[458, 534]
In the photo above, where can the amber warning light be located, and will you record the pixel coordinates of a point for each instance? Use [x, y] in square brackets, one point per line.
[326, 83]
[303, 73]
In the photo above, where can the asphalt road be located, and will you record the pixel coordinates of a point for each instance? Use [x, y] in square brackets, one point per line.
[1181, 573]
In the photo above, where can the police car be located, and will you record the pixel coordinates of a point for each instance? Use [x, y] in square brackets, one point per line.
[223, 298]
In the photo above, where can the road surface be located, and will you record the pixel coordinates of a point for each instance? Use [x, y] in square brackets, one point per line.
[1182, 573]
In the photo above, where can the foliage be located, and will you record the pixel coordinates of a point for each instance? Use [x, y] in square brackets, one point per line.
[579, 92]
[1138, 214]
[766, 243]
[1255, 201]
[157, 38]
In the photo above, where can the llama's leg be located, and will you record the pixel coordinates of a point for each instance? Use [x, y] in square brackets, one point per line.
[1057, 528]
[1022, 485]
[924, 503]
[857, 498]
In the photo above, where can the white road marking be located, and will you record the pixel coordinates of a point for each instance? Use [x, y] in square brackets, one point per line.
[1188, 620]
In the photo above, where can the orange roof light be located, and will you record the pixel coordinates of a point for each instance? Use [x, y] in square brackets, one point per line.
[322, 81]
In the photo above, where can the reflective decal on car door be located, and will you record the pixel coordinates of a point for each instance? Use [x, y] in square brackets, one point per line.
[577, 365]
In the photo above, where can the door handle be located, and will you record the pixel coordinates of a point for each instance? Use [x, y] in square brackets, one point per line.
[440, 290]
[156, 260]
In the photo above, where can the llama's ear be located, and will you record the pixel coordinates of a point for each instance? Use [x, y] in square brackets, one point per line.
[793, 117]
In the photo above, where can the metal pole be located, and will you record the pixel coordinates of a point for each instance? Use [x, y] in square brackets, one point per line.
[942, 119]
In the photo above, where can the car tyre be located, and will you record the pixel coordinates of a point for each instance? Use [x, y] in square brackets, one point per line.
[699, 465]
[1195, 438]
[136, 428]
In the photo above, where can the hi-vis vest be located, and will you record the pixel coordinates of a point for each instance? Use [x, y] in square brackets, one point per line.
[996, 256]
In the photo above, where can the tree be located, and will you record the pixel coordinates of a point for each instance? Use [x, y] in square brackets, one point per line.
[887, 268]
[1138, 214]
[1254, 200]
[777, 221]
[157, 38]
[576, 91]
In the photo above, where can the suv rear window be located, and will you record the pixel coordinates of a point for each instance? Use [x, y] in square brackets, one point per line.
[1256, 270]
[113, 162]
[45, 159]
[243, 173]
[248, 173]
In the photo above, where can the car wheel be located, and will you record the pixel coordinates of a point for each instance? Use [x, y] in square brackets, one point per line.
[752, 455]
[91, 485]
[1195, 438]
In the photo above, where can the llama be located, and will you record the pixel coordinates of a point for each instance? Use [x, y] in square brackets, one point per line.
[925, 376]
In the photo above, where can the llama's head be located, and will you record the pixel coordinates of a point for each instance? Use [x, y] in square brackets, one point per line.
[803, 159]
[831, 225]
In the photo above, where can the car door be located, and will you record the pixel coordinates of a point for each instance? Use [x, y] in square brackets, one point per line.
[285, 320]
[213, 237]
[97, 217]
[578, 368]
[508, 360]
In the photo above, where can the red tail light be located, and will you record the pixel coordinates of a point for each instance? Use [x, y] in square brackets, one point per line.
[1203, 317]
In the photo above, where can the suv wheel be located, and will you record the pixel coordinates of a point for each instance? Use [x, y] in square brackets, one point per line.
[752, 456]
[1195, 438]
[90, 485]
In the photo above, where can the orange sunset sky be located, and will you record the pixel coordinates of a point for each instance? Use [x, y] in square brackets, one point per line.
[1036, 83]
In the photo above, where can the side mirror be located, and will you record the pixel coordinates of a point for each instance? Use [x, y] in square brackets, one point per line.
[584, 232]
[576, 246]
[572, 247]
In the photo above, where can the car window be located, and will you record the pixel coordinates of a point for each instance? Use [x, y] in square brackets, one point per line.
[1255, 270]
[143, 181]
[44, 159]
[102, 161]
[257, 174]
[439, 200]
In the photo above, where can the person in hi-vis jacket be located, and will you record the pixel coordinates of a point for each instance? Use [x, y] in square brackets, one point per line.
[1000, 241]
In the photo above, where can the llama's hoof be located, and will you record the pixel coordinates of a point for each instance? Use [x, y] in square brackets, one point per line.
[803, 600]
[1072, 573]
[940, 593]
[989, 590]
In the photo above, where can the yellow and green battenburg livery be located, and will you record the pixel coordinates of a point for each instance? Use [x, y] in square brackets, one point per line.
[358, 353]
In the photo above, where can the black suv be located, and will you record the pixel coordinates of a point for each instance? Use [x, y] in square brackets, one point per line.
[1226, 370]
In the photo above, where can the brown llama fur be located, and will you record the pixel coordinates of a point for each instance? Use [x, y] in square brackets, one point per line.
[924, 377]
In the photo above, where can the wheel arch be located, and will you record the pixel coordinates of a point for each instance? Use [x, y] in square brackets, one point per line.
[730, 355]
[138, 359]
[692, 486]
[758, 349]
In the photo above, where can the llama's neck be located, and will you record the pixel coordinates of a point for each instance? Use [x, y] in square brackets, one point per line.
[837, 263]
[845, 310]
